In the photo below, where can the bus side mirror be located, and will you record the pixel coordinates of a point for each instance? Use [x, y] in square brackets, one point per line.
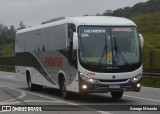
[75, 41]
[141, 40]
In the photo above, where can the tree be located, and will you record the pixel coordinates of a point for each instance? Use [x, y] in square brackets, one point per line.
[13, 29]
[7, 35]
[108, 13]
[21, 26]
[138, 9]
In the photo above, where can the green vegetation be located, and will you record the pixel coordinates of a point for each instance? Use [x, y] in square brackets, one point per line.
[150, 6]
[149, 26]
[7, 50]
[148, 23]
[7, 35]
[7, 69]
[7, 39]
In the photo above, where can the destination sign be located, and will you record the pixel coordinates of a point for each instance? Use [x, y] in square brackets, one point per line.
[94, 31]
[123, 29]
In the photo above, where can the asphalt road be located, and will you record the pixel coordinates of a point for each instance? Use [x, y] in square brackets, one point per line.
[16, 93]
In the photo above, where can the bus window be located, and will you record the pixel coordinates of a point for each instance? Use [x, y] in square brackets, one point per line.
[72, 54]
[71, 29]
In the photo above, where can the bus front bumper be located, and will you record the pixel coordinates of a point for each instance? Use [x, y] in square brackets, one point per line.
[100, 86]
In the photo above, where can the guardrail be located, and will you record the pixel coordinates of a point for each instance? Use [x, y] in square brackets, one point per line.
[152, 79]
[151, 75]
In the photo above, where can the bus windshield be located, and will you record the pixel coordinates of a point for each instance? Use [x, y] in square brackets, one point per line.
[109, 45]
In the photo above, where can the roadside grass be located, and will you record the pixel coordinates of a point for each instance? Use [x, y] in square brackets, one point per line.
[8, 50]
[5, 69]
[151, 82]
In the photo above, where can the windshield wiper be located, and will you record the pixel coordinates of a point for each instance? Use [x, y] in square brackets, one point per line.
[103, 52]
[116, 47]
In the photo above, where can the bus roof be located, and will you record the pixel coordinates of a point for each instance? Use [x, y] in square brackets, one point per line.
[85, 20]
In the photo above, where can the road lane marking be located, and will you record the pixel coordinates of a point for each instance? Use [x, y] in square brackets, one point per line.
[60, 101]
[1, 72]
[142, 98]
[10, 77]
[34, 101]
[46, 101]
[23, 94]
[69, 103]
[11, 103]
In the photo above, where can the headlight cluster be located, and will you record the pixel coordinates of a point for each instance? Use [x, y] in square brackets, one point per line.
[136, 78]
[87, 78]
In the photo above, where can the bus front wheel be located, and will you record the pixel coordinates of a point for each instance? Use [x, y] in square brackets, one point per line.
[64, 92]
[117, 94]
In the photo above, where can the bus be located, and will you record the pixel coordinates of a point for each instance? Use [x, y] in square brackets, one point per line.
[87, 54]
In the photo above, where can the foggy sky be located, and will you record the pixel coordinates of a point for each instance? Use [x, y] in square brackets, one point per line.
[33, 12]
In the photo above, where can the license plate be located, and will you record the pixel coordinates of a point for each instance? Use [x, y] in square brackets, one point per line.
[114, 86]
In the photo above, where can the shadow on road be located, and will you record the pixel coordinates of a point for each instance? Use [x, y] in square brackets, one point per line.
[102, 98]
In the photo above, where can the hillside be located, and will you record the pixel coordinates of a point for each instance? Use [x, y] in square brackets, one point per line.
[149, 26]
[150, 6]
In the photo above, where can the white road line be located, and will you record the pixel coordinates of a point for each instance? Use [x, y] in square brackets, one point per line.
[27, 101]
[23, 94]
[10, 77]
[50, 98]
[46, 101]
[7, 73]
[11, 103]
[69, 103]
[142, 98]
[103, 112]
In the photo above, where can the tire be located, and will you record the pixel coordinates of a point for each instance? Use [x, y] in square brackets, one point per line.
[117, 94]
[32, 87]
[65, 94]
[38, 87]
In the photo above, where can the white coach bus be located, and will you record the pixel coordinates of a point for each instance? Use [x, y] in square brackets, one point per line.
[88, 54]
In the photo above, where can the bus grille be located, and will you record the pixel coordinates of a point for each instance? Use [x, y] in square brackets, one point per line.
[123, 80]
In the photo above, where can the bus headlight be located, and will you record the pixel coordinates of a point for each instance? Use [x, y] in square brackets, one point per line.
[136, 78]
[87, 78]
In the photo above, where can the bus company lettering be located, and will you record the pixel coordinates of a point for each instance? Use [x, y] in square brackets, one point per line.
[122, 29]
[53, 61]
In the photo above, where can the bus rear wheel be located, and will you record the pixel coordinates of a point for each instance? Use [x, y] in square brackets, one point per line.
[32, 87]
[117, 94]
